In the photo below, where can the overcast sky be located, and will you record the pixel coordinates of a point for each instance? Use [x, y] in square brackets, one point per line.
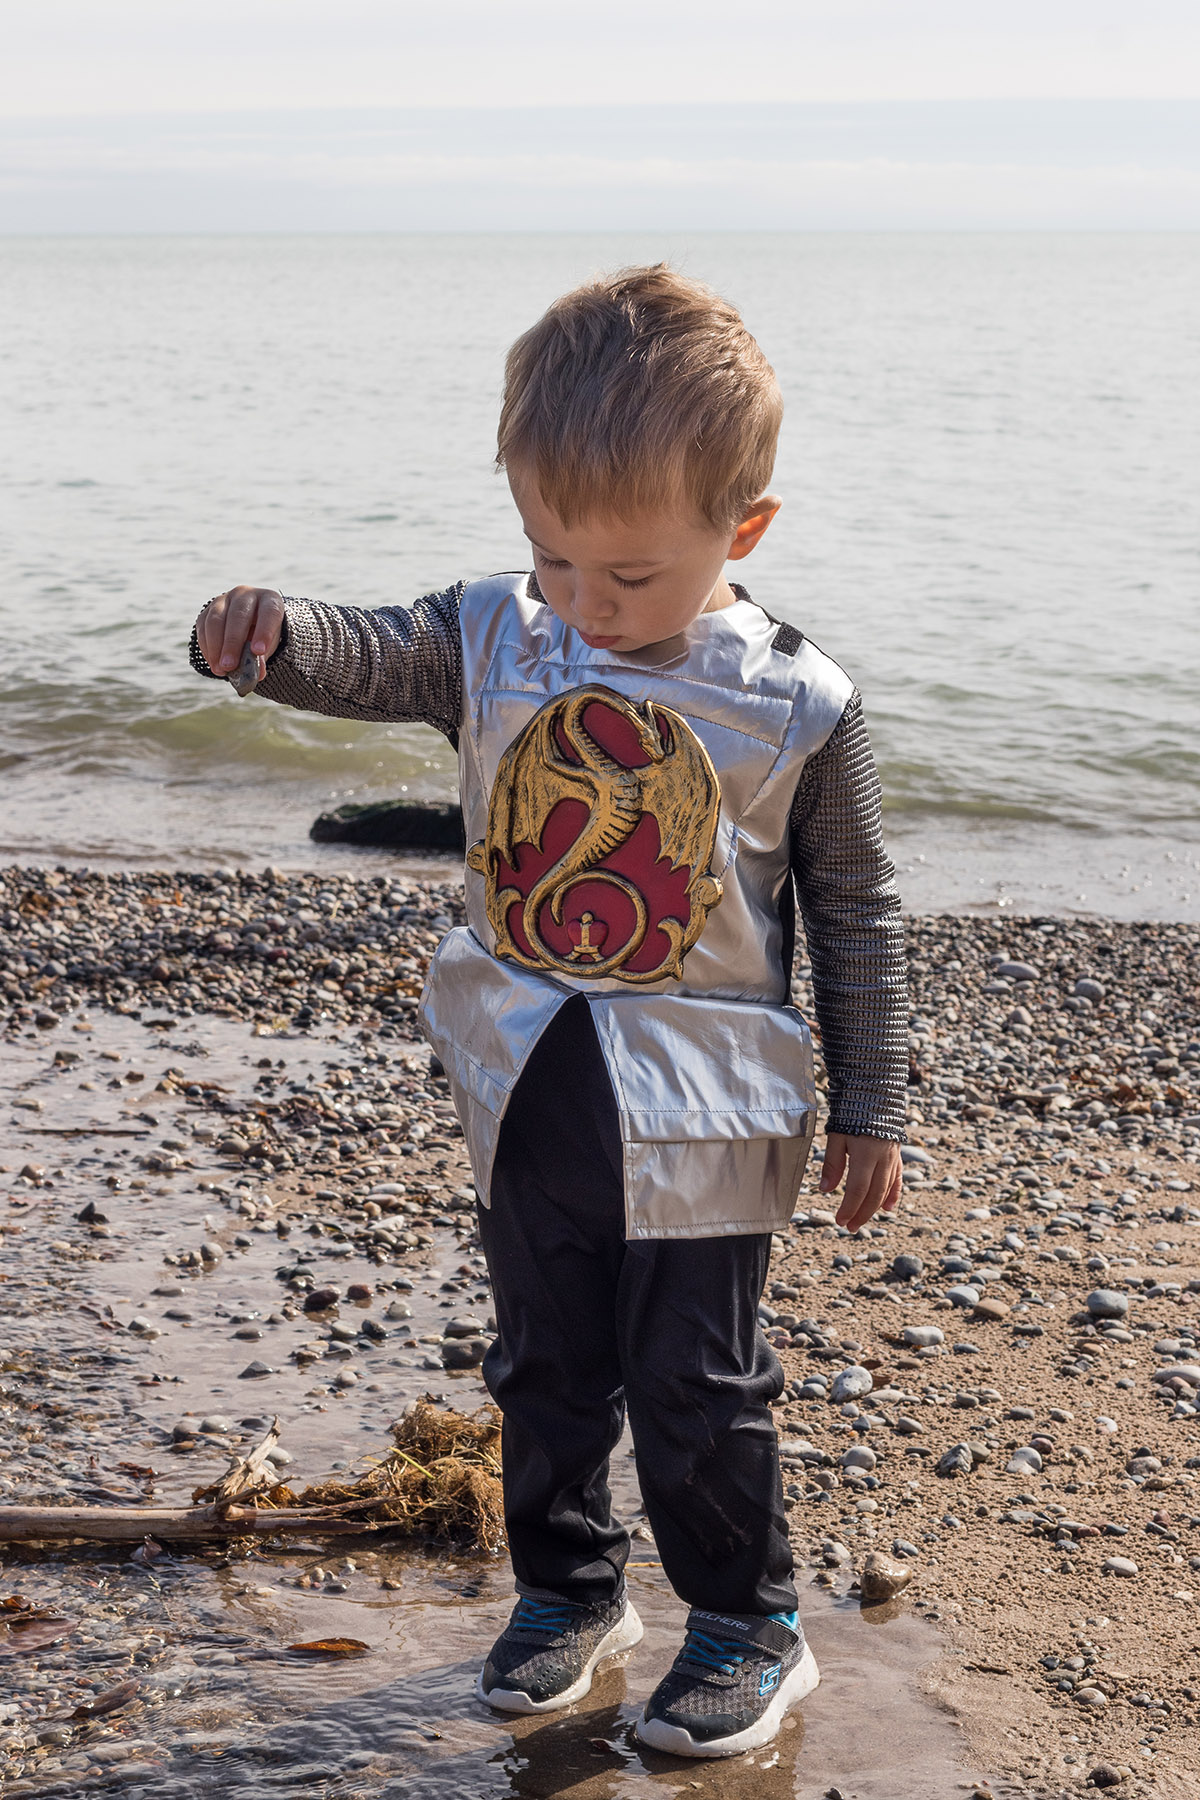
[314, 115]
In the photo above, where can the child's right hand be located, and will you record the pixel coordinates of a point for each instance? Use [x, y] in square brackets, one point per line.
[230, 621]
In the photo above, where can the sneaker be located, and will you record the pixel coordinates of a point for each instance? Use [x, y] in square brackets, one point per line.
[730, 1685]
[545, 1656]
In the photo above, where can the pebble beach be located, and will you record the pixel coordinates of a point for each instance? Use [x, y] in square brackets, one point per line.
[234, 1186]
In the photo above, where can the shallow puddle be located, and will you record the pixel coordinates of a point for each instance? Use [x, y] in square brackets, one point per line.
[219, 1709]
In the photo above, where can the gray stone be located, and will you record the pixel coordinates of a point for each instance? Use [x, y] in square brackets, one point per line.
[923, 1337]
[463, 1327]
[956, 1461]
[1088, 989]
[1189, 1372]
[851, 1384]
[1016, 971]
[253, 1371]
[463, 1353]
[962, 1294]
[859, 1456]
[1024, 1461]
[1118, 1565]
[1106, 1303]
[907, 1267]
[215, 1425]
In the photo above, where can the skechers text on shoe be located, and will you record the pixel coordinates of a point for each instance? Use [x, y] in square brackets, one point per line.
[730, 1686]
[545, 1656]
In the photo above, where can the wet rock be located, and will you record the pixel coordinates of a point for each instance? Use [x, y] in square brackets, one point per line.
[321, 1299]
[255, 1370]
[399, 1309]
[851, 1384]
[463, 1353]
[882, 1578]
[215, 1425]
[1107, 1303]
[463, 1327]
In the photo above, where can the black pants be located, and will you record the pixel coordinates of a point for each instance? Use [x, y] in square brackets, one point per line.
[590, 1325]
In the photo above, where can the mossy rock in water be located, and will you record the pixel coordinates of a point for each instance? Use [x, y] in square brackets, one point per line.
[394, 825]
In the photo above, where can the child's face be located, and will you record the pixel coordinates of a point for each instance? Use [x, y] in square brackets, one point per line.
[625, 585]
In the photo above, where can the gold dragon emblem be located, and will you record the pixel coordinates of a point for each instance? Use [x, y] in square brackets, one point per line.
[600, 836]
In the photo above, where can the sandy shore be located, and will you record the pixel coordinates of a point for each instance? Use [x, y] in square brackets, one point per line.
[1024, 1449]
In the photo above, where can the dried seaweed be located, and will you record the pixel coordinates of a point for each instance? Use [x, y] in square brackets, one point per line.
[440, 1480]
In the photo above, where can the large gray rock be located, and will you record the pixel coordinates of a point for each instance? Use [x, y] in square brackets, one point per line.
[923, 1337]
[1107, 1303]
[851, 1384]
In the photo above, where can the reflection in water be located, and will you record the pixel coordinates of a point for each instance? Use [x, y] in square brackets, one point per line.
[425, 1737]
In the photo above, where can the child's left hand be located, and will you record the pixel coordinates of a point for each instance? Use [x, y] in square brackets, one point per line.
[874, 1179]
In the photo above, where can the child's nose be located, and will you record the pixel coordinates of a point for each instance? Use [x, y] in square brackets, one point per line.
[592, 606]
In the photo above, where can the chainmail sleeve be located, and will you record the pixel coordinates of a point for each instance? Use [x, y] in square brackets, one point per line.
[376, 664]
[851, 911]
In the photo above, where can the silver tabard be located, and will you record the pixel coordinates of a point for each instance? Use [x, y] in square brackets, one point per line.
[711, 1070]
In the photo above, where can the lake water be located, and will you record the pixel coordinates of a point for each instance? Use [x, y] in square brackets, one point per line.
[992, 518]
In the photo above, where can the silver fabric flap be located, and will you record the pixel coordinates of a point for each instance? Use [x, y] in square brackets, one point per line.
[692, 1068]
[482, 1018]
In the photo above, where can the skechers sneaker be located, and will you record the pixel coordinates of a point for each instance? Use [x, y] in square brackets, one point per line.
[545, 1656]
[730, 1685]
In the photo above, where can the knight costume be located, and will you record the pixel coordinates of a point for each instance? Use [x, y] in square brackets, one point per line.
[635, 1088]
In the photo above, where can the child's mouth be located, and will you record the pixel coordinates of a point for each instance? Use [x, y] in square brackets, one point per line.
[598, 643]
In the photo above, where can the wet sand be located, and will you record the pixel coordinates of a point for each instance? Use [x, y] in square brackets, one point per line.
[290, 1135]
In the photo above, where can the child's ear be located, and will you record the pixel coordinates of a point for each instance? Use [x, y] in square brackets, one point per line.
[755, 519]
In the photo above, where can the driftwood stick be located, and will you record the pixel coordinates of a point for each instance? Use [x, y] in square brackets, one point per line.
[169, 1524]
[249, 1476]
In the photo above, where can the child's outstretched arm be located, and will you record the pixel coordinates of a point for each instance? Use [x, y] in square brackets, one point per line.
[851, 911]
[349, 662]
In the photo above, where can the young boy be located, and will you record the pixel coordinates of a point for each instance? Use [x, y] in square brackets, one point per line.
[646, 761]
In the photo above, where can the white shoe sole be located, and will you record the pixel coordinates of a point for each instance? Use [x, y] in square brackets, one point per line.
[675, 1741]
[624, 1635]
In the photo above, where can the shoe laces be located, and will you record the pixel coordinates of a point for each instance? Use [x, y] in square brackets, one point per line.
[708, 1652]
[541, 1615]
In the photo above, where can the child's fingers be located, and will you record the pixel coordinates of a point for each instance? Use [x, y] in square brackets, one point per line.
[229, 621]
[241, 605]
[833, 1167]
[210, 632]
[268, 623]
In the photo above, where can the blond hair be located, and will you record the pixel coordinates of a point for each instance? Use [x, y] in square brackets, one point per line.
[636, 391]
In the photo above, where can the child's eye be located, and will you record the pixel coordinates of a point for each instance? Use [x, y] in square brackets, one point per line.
[548, 562]
[642, 582]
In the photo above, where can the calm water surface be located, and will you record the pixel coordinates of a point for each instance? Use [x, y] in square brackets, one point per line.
[991, 518]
